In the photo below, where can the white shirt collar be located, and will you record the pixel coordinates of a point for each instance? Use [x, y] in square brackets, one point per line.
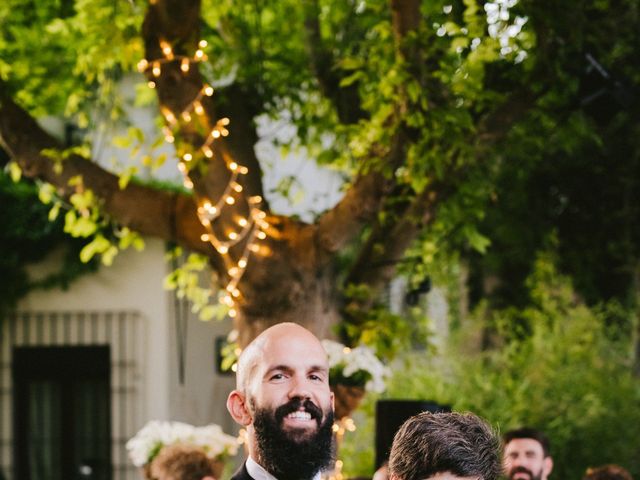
[258, 472]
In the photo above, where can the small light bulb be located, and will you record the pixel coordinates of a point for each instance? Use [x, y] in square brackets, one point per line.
[215, 134]
[207, 151]
[168, 115]
[187, 157]
[230, 200]
[142, 65]
[186, 116]
[151, 84]
[242, 263]
[235, 293]
[185, 64]
[208, 90]
[156, 69]
[232, 312]
[204, 237]
[242, 222]
[244, 170]
[202, 43]
[224, 121]
[254, 248]
[233, 166]
[232, 235]
[237, 187]
[222, 249]
[188, 184]
[261, 235]
[199, 54]
[170, 139]
[197, 107]
[233, 271]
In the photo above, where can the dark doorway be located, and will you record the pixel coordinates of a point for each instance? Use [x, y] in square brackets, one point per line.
[62, 413]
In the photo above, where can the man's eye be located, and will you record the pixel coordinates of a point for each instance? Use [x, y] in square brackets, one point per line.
[277, 376]
[317, 378]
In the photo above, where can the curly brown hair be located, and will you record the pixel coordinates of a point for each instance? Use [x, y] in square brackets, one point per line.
[460, 443]
[181, 462]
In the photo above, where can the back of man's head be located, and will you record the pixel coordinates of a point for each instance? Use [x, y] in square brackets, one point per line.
[528, 432]
[607, 472]
[461, 444]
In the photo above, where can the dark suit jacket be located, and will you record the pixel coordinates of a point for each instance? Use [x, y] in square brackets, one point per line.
[242, 473]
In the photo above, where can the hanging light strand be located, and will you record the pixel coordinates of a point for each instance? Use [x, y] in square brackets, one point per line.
[250, 229]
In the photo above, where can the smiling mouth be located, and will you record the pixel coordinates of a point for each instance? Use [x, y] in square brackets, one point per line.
[520, 475]
[299, 415]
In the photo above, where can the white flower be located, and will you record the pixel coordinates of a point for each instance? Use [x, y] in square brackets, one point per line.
[360, 359]
[157, 434]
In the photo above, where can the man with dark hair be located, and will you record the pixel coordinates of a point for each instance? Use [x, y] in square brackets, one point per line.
[283, 399]
[607, 472]
[445, 446]
[526, 454]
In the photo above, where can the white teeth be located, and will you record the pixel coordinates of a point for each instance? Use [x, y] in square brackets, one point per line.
[300, 415]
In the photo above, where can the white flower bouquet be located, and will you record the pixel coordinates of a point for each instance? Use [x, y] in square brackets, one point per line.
[146, 444]
[357, 367]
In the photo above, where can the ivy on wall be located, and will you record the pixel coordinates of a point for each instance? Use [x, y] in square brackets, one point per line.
[27, 237]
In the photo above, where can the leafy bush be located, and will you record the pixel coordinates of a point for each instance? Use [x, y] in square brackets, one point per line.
[27, 236]
[559, 366]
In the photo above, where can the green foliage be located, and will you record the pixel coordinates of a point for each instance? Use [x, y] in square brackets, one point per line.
[26, 237]
[377, 327]
[565, 368]
[63, 55]
[185, 279]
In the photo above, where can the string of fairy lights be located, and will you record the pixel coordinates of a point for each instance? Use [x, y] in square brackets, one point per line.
[249, 228]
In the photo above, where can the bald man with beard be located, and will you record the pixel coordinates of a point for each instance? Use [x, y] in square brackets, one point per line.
[283, 399]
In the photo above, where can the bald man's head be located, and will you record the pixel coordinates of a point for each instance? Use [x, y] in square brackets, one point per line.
[275, 337]
[283, 398]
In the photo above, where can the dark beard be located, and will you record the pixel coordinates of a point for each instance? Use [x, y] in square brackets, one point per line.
[515, 470]
[293, 455]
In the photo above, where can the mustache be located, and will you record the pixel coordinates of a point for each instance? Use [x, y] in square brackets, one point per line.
[294, 404]
[515, 470]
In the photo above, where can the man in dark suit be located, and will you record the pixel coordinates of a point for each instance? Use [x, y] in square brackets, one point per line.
[283, 399]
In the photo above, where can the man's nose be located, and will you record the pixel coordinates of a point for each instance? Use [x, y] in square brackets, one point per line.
[299, 388]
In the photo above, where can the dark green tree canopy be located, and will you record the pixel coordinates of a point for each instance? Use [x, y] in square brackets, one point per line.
[445, 117]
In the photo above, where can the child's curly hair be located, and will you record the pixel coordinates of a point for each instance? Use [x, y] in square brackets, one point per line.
[182, 462]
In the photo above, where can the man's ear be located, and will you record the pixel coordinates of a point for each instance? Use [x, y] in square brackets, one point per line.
[238, 408]
[333, 401]
[547, 465]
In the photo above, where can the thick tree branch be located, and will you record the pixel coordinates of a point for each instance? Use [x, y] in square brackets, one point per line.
[405, 17]
[362, 202]
[377, 263]
[166, 215]
[345, 99]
